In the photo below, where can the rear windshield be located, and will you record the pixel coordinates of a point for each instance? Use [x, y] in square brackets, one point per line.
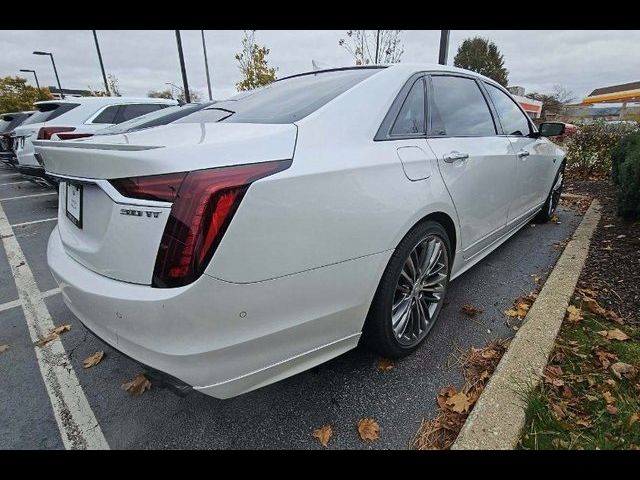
[284, 101]
[154, 119]
[49, 111]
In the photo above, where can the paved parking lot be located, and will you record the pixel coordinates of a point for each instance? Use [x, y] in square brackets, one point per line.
[282, 415]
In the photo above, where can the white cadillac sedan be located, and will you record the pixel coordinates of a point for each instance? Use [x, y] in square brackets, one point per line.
[264, 235]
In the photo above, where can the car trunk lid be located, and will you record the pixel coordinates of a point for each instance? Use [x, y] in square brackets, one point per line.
[119, 237]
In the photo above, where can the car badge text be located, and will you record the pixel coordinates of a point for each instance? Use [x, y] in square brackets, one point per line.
[139, 213]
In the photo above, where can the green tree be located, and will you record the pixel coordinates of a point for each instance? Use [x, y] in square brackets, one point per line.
[16, 95]
[373, 46]
[253, 64]
[482, 55]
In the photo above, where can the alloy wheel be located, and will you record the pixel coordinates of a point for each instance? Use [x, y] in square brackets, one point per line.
[420, 291]
[556, 191]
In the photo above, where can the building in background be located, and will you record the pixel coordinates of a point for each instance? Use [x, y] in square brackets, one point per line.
[613, 103]
[532, 107]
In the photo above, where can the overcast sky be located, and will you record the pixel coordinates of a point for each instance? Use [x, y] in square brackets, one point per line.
[144, 60]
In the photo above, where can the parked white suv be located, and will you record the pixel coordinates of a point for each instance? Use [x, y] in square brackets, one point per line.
[75, 118]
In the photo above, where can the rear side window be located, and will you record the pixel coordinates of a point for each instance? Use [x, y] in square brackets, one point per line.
[132, 111]
[458, 108]
[286, 100]
[513, 121]
[108, 115]
[49, 111]
[411, 118]
[5, 122]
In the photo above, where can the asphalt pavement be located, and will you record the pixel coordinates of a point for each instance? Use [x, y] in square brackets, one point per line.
[279, 416]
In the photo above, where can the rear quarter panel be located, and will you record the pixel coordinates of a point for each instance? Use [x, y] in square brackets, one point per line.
[336, 203]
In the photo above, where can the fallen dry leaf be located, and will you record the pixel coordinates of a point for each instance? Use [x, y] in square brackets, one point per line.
[615, 334]
[584, 422]
[53, 334]
[385, 364]
[613, 317]
[470, 310]
[587, 292]
[42, 341]
[574, 314]
[61, 329]
[4, 348]
[633, 418]
[459, 402]
[621, 369]
[558, 410]
[93, 360]
[368, 429]
[489, 353]
[138, 385]
[593, 306]
[605, 358]
[323, 434]
[608, 397]
[613, 410]
[484, 375]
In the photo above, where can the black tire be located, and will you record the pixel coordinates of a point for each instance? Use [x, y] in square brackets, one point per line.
[378, 332]
[553, 199]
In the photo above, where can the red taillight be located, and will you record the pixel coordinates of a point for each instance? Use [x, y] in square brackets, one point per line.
[201, 212]
[73, 136]
[154, 187]
[45, 132]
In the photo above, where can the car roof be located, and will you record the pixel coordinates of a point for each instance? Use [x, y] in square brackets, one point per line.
[109, 100]
[407, 69]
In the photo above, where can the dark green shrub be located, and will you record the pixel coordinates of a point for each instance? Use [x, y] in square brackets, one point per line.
[628, 179]
[619, 154]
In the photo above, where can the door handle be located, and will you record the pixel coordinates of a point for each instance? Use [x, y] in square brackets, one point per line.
[453, 156]
[523, 153]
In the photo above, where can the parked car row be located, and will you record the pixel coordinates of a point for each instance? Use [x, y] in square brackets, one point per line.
[260, 236]
[80, 118]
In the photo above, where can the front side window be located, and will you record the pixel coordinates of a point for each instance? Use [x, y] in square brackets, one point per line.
[513, 121]
[411, 118]
[458, 108]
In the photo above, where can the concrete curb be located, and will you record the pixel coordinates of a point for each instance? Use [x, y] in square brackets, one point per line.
[498, 417]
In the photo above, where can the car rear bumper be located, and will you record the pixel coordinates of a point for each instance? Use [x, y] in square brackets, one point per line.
[224, 338]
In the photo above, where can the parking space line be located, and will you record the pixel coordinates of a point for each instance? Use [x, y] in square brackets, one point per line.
[76, 421]
[51, 293]
[33, 222]
[14, 183]
[28, 196]
[10, 305]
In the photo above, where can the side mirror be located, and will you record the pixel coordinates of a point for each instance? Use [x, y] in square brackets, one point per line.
[551, 129]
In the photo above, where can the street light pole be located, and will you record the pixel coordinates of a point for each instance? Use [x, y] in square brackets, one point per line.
[444, 47]
[55, 70]
[104, 75]
[206, 65]
[34, 74]
[187, 97]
